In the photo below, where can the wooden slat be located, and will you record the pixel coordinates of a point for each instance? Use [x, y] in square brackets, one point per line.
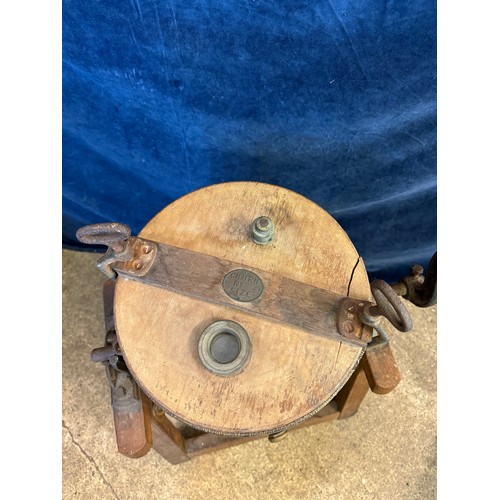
[381, 369]
[167, 440]
[283, 299]
[108, 294]
[207, 443]
[352, 394]
[133, 429]
[132, 422]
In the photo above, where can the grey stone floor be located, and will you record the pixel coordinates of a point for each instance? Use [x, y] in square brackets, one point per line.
[386, 451]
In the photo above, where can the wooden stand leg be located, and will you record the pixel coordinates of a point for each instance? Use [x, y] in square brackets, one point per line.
[380, 367]
[108, 295]
[352, 394]
[167, 439]
[131, 407]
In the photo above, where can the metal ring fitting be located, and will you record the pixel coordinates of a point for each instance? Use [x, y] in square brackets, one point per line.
[224, 348]
[389, 305]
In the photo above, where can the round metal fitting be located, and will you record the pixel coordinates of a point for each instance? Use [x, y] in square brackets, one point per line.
[224, 348]
[262, 230]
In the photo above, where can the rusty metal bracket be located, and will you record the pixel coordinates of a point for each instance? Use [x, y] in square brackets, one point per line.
[348, 319]
[252, 290]
[137, 254]
[353, 314]
[131, 418]
[109, 353]
[209, 278]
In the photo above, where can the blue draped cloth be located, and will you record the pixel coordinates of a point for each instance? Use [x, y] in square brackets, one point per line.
[335, 100]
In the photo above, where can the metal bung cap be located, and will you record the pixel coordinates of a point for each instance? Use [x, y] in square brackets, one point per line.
[224, 348]
[262, 230]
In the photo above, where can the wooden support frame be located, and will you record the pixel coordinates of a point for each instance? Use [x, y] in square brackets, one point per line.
[171, 444]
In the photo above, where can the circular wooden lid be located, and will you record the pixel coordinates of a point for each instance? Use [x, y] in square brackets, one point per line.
[289, 373]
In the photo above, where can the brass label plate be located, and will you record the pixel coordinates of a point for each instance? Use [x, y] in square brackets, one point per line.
[243, 285]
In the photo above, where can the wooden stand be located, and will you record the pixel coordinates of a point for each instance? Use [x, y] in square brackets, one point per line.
[179, 443]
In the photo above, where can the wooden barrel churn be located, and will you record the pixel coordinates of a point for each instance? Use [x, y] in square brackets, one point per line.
[240, 310]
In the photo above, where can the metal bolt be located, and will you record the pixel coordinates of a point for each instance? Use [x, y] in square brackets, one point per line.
[262, 223]
[157, 411]
[138, 264]
[113, 360]
[262, 230]
[118, 247]
[111, 337]
[146, 249]
[348, 327]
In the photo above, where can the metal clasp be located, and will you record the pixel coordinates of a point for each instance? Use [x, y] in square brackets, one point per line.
[136, 254]
[351, 313]
[124, 389]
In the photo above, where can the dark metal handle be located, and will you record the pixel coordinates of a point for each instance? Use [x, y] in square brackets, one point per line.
[389, 305]
[423, 294]
[419, 289]
[111, 234]
[102, 354]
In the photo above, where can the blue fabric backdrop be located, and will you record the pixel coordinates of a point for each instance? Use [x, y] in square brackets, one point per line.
[335, 100]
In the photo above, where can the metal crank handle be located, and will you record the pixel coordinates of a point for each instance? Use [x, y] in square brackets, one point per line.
[419, 289]
[111, 234]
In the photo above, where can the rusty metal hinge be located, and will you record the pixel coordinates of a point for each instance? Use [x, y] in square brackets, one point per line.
[136, 253]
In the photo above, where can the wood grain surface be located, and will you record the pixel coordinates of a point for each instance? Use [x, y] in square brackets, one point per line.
[291, 373]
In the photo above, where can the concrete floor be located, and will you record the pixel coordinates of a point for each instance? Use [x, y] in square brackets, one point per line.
[386, 451]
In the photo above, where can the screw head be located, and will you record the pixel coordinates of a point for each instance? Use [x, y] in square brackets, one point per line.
[348, 327]
[262, 223]
[157, 410]
[138, 264]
